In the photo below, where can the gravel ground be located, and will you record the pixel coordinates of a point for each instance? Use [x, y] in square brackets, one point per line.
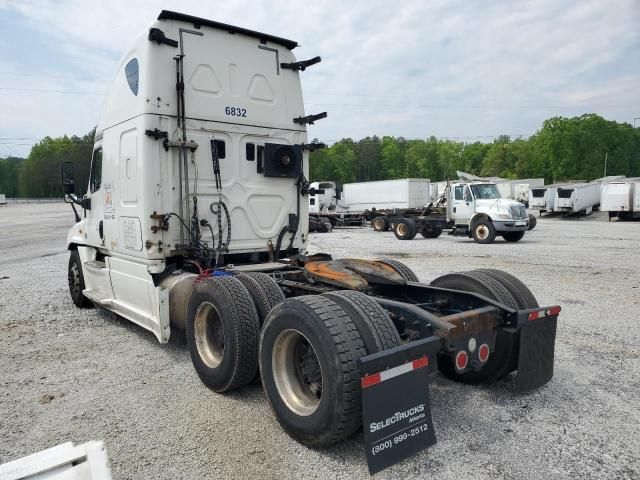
[70, 374]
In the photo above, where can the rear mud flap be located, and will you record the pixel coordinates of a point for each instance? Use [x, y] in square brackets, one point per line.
[535, 360]
[396, 411]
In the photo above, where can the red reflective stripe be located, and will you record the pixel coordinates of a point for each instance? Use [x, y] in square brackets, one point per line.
[376, 378]
[421, 362]
[371, 380]
[534, 315]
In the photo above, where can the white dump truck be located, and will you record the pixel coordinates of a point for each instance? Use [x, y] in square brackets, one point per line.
[195, 218]
[621, 198]
[472, 209]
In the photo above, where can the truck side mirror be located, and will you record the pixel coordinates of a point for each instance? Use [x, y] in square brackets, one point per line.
[67, 177]
[467, 195]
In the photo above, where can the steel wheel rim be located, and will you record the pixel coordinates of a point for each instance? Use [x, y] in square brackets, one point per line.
[209, 334]
[291, 359]
[377, 224]
[402, 229]
[74, 279]
[482, 232]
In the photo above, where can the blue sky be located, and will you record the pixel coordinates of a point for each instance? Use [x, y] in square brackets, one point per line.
[451, 68]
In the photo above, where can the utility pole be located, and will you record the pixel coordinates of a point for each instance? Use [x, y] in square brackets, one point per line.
[606, 154]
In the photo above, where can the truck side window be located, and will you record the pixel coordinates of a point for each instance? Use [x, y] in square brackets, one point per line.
[458, 195]
[131, 70]
[95, 178]
[467, 195]
[312, 201]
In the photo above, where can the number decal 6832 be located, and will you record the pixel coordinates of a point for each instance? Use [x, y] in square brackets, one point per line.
[235, 111]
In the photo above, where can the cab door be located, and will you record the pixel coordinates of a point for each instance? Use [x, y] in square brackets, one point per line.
[463, 204]
[95, 215]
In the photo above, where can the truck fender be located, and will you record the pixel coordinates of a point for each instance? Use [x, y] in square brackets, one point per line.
[76, 236]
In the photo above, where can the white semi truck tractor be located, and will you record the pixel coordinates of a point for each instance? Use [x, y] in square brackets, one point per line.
[195, 218]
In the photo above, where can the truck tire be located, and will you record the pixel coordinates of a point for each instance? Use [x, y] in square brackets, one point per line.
[405, 229]
[532, 222]
[404, 271]
[521, 293]
[264, 291]
[501, 360]
[513, 237]
[380, 224]
[76, 281]
[223, 330]
[308, 352]
[483, 231]
[325, 221]
[429, 231]
[376, 329]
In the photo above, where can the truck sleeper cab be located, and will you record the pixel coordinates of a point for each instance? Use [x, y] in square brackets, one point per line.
[196, 218]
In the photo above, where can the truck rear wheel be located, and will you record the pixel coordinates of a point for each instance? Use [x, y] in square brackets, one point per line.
[501, 360]
[264, 291]
[308, 352]
[429, 231]
[513, 237]
[483, 231]
[222, 331]
[533, 221]
[405, 229]
[521, 293]
[404, 271]
[376, 329]
[76, 281]
[380, 224]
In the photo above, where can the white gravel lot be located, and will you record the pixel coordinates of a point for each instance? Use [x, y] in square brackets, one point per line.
[76, 375]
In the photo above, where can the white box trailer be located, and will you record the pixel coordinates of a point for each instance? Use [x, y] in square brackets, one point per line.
[518, 190]
[621, 198]
[3, 199]
[437, 189]
[577, 198]
[387, 194]
[543, 198]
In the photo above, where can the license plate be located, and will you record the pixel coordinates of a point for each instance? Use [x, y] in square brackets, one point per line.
[520, 224]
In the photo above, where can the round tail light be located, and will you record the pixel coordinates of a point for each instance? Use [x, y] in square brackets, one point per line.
[483, 353]
[461, 360]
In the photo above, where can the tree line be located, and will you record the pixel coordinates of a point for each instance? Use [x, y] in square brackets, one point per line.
[39, 174]
[563, 149]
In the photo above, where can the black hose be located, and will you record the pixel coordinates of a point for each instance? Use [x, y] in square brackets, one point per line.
[281, 235]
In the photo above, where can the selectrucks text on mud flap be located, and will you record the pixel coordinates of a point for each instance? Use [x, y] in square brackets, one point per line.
[415, 411]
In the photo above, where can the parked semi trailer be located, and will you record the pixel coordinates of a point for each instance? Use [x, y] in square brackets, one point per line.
[543, 198]
[621, 199]
[577, 198]
[195, 218]
[470, 209]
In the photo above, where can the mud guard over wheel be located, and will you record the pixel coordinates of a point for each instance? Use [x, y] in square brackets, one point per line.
[397, 426]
